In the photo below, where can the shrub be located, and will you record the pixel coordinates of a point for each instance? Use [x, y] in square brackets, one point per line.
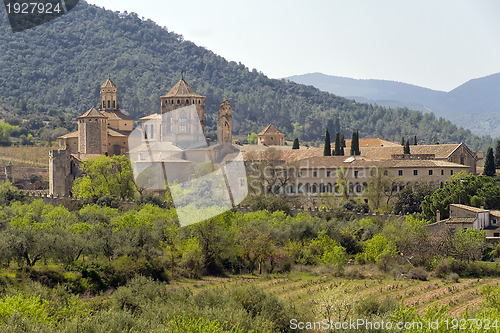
[453, 277]
[418, 273]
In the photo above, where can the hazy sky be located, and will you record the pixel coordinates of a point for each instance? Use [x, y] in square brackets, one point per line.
[438, 44]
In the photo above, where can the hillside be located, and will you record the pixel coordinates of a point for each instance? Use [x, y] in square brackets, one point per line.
[62, 64]
[461, 105]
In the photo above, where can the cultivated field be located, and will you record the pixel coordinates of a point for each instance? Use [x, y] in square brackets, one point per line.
[305, 290]
[26, 156]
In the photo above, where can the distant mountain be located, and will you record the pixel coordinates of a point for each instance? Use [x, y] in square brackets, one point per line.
[461, 105]
[61, 65]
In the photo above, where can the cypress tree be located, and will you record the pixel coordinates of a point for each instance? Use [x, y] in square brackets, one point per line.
[296, 144]
[342, 141]
[497, 155]
[407, 147]
[353, 143]
[403, 141]
[489, 163]
[328, 149]
[415, 140]
[357, 151]
[337, 151]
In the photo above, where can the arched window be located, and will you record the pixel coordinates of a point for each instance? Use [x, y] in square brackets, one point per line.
[114, 104]
[178, 102]
[300, 188]
[109, 104]
[314, 188]
[187, 101]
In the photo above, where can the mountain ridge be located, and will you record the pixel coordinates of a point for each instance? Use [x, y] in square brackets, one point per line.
[461, 104]
[63, 63]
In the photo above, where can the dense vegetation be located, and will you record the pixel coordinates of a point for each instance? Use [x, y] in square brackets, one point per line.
[57, 69]
[82, 267]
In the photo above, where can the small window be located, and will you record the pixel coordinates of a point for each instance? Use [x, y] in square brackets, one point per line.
[494, 222]
[300, 174]
[386, 173]
[356, 173]
[328, 173]
[451, 172]
[415, 172]
[496, 234]
[442, 172]
[315, 173]
[400, 172]
[430, 172]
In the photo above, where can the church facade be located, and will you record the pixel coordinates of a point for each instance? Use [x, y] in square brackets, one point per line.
[105, 131]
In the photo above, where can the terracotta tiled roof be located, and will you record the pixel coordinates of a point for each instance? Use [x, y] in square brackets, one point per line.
[372, 142]
[384, 153]
[116, 115]
[109, 83]
[115, 133]
[470, 208]
[152, 116]
[92, 113]
[182, 89]
[270, 129]
[460, 220]
[69, 135]
[83, 157]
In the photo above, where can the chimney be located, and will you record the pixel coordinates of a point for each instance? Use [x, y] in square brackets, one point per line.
[438, 215]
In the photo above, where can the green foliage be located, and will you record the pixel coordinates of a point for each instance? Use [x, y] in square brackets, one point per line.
[462, 189]
[378, 247]
[355, 143]
[489, 163]
[497, 155]
[31, 307]
[407, 148]
[252, 139]
[9, 194]
[338, 145]
[296, 144]
[105, 175]
[409, 200]
[327, 151]
[6, 131]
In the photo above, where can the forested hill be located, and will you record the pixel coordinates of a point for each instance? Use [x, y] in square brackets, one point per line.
[63, 63]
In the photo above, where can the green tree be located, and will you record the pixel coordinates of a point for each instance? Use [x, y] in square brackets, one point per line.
[462, 189]
[497, 155]
[296, 144]
[489, 163]
[378, 247]
[415, 140]
[327, 151]
[403, 141]
[407, 147]
[469, 244]
[355, 144]
[106, 176]
[337, 150]
[6, 130]
[410, 199]
[252, 139]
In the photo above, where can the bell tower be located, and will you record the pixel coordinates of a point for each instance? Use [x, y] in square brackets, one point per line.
[109, 96]
[225, 123]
